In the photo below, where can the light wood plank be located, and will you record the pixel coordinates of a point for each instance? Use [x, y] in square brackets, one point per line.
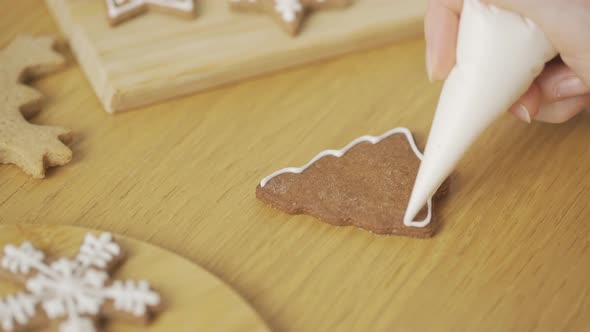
[134, 64]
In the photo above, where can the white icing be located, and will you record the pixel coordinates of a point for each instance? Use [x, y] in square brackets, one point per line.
[117, 8]
[499, 54]
[341, 152]
[77, 325]
[288, 9]
[70, 289]
[98, 251]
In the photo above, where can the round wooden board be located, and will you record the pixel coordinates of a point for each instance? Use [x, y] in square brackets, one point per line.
[194, 300]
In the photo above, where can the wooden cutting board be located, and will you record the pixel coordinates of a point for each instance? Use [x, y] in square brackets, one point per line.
[135, 64]
[195, 300]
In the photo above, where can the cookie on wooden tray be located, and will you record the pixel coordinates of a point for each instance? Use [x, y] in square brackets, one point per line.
[73, 293]
[289, 14]
[119, 11]
[31, 147]
[367, 184]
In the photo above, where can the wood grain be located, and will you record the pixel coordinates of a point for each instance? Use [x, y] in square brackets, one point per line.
[513, 253]
[194, 300]
[134, 64]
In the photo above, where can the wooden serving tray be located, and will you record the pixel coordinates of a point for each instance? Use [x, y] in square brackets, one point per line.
[155, 57]
[194, 299]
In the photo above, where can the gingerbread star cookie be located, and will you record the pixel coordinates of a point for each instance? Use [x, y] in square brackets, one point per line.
[31, 147]
[288, 13]
[366, 184]
[122, 10]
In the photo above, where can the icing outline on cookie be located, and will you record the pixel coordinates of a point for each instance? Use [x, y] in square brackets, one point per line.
[117, 8]
[289, 12]
[339, 153]
[288, 9]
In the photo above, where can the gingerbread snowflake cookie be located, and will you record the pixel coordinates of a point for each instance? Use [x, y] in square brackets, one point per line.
[122, 10]
[31, 147]
[366, 184]
[288, 13]
[75, 293]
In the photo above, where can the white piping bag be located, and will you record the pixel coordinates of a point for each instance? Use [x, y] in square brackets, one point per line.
[499, 54]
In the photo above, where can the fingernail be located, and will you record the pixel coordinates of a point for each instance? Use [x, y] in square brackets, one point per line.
[523, 113]
[571, 87]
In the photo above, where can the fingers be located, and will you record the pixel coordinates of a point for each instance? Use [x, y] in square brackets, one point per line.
[441, 25]
[527, 107]
[562, 110]
[558, 82]
[580, 62]
[519, 6]
[531, 106]
[565, 22]
[529, 8]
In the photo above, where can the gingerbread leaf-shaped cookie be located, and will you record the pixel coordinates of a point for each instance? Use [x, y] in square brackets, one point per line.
[366, 184]
[31, 147]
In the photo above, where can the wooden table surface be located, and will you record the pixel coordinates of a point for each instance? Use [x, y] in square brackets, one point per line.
[513, 253]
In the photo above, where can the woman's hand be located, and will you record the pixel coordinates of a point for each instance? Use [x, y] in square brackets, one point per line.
[562, 90]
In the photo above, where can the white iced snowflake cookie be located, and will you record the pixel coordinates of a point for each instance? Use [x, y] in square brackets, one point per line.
[121, 10]
[288, 13]
[74, 292]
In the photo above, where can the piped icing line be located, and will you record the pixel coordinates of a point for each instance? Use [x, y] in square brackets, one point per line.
[341, 152]
[119, 7]
[288, 9]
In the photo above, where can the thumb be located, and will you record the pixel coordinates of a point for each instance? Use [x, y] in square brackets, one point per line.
[558, 81]
[562, 110]
[580, 64]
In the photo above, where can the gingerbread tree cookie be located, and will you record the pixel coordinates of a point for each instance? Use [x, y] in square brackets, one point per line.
[366, 184]
[288, 13]
[122, 10]
[75, 293]
[31, 147]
